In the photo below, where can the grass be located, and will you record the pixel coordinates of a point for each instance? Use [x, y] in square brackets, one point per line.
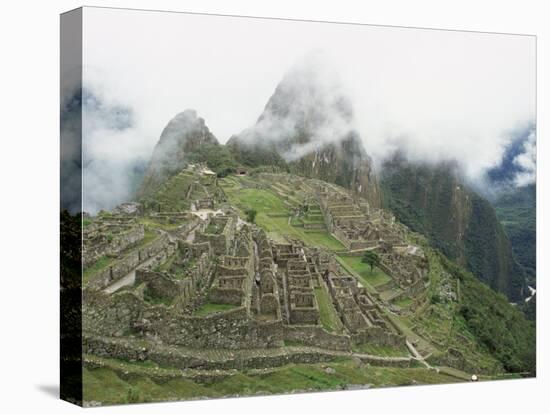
[388, 294]
[375, 277]
[101, 264]
[262, 201]
[154, 300]
[324, 239]
[104, 262]
[403, 302]
[154, 224]
[382, 350]
[104, 385]
[148, 237]
[209, 308]
[265, 203]
[118, 383]
[328, 316]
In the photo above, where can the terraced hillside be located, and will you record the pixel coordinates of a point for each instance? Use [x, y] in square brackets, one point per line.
[188, 296]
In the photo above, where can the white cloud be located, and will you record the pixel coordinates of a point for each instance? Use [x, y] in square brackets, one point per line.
[527, 161]
[439, 94]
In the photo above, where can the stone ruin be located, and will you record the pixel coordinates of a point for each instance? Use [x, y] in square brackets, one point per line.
[355, 223]
[358, 310]
[110, 235]
[267, 292]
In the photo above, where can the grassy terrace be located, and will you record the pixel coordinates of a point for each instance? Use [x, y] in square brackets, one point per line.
[101, 264]
[329, 318]
[116, 381]
[153, 224]
[375, 278]
[354, 273]
[104, 262]
[388, 351]
[209, 308]
[404, 302]
[273, 215]
[402, 324]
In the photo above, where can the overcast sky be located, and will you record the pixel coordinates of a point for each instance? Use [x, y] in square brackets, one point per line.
[438, 94]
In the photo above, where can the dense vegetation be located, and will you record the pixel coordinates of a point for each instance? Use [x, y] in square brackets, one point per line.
[71, 306]
[371, 258]
[217, 157]
[251, 215]
[488, 251]
[502, 328]
[255, 155]
[433, 200]
[516, 210]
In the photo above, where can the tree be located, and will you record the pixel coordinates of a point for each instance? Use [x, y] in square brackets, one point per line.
[251, 215]
[217, 157]
[371, 258]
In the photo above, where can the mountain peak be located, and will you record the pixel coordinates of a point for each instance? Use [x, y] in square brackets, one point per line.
[311, 93]
[184, 133]
[308, 122]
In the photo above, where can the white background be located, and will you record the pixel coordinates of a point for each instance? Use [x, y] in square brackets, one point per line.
[29, 206]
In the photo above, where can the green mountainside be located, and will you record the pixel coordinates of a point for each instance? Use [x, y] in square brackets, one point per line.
[516, 210]
[435, 201]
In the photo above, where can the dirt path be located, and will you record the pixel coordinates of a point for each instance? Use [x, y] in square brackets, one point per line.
[128, 279]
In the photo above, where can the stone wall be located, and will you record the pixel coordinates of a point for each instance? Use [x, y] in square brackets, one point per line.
[113, 315]
[316, 336]
[378, 336]
[171, 356]
[228, 296]
[127, 236]
[218, 242]
[304, 315]
[125, 313]
[160, 285]
[183, 359]
[122, 267]
[230, 330]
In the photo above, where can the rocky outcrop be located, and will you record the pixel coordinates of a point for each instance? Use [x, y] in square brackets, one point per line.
[307, 127]
[185, 133]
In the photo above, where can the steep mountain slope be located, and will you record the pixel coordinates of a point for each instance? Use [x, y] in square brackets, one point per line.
[511, 188]
[307, 128]
[183, 135]
[433, 200]
[516, 210]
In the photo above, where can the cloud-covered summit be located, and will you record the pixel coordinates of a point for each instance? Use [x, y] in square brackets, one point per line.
[518, 166]
[308, 110]
[437, 95]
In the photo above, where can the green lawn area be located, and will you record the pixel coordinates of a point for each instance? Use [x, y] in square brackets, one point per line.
[404, 302]
[267, 203]
[375, 278]
[117, 382]
[262, 201]
[329, 318]
[382, 350]
[209, 308]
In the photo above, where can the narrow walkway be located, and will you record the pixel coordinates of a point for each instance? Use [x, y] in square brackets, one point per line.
[419, 357]
[128, 279]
